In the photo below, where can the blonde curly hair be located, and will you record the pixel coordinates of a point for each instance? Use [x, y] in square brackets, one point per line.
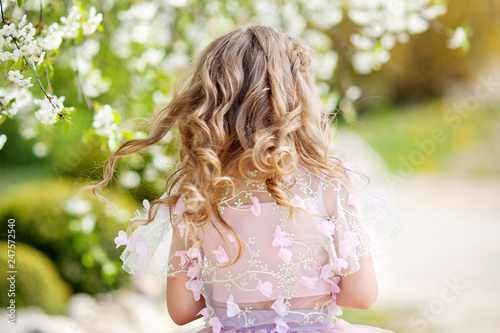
[246, 103]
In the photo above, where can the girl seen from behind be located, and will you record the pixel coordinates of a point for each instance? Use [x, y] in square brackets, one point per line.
[262, 227]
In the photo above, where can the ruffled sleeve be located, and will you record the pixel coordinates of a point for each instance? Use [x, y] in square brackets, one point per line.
[155, 248]
[361, 219]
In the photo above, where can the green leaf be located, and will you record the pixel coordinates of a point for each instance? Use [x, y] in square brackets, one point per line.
[65, 127]
[20, 3]
[71, 111]
[12, 101]
[117, 119]
[4, 118]
[18, 64]
[10, 63]
[51, 69]
[80, 5]
[128, 135]
[70, 123]
[80, 35]
[2, 67]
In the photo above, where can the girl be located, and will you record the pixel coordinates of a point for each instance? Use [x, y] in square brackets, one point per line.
[268, 230]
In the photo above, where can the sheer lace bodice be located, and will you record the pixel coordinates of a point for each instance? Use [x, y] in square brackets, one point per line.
[289, 270]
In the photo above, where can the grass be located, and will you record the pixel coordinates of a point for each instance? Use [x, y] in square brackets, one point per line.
[432, 137]
[14, 176]
[394, 319]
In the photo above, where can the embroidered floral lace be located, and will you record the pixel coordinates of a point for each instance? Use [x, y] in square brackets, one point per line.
[287, 278]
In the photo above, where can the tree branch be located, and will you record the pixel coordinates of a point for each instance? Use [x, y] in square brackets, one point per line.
[37, 77]
[79, 81]
[41, 13]
[49, 86]
[1, 7]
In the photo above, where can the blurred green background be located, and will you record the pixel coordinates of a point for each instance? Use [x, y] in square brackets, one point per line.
[429, 110]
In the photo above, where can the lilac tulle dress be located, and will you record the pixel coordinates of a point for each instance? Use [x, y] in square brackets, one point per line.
[288, 275]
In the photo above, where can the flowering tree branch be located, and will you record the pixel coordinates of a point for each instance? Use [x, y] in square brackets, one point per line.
[36, 75]
[14, 40]
[24, 46]
[151, 59]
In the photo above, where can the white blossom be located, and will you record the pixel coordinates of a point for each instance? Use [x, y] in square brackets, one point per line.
[325, 64]
[94, 85]
[177, 3]
[458, 39]
[130, 179]
[295, 21]
[376, 29]
[88, 223]
[362, 62]
[167, 138]
[47, 115]
[92, 22]
[115, 137]
[267, 13]
[353, 93]
[105, 126]
[174, 62]
[104, 117]
[162, 162]
[153, 56]
[28, 132]
[388, 41]
[360, 17]
[89, 49]
[23, 99]
[325, 18]
[3, 139]
[16, 77]
[317, 40]
[150, 174]
[78, 207]
[8, 30]
[35, 5]
[24, 45]
[403, 38]
[362, 42]
[198, 36]
[416, 24]
[71, 23]
[40, 149]
[39, 61]
[52, 39]
[142, 11]
[332, 101]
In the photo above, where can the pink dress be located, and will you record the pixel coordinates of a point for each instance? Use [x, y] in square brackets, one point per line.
[287, 277]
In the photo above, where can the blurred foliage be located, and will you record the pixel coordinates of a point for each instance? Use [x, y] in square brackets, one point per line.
[467, 144]
[81, 245]
[37, 280]
[426, 68]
